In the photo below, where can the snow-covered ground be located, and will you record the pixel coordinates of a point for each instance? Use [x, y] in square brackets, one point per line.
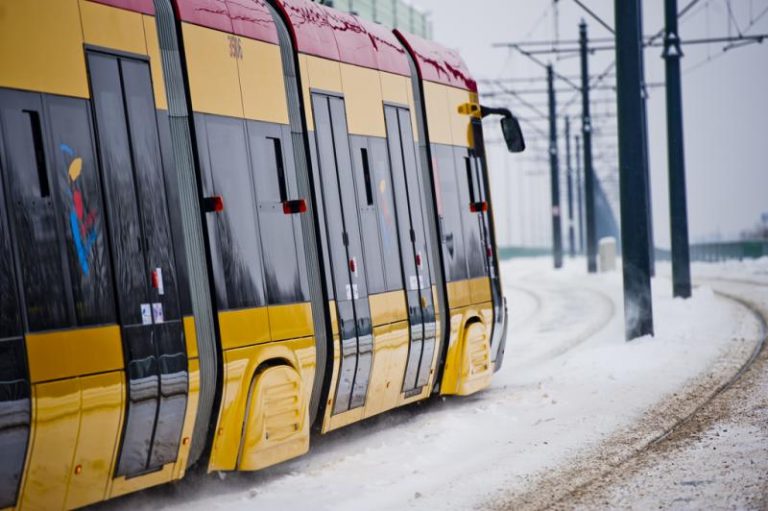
[569, 384]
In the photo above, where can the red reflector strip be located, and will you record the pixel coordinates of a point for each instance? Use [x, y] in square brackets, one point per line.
[353, 265]
[477, 207]
[213, 204]
[291, 207]
[418, 259]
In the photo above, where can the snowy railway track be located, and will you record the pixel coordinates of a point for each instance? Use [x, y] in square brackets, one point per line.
[574, 484]
[572, 401]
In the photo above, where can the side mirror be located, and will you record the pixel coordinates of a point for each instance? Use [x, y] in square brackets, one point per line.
[513, 135]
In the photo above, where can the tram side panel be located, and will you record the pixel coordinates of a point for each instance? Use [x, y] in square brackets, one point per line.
[90, 371]
[265, 321]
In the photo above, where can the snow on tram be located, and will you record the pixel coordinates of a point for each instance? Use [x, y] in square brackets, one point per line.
[225, 224]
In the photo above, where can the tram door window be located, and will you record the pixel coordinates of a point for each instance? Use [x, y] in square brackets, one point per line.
[143, 260]
[473, 246]
[413, 245]
[364, 160]
[479, 259]
[346, 254]
[274, 176]
[449, 209]
[14, 381]
[235, 249]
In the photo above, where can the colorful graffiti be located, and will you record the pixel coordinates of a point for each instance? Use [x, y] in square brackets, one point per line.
[82, 225]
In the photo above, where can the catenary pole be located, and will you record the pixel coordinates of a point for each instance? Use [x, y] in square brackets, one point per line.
[646, 157]
[579, 188]
[554, 172]
[569, 183]
[681, 268]
[586, 134]
[638, 307]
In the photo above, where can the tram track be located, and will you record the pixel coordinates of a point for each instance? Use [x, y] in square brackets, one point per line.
[606, 312]
[560, 489]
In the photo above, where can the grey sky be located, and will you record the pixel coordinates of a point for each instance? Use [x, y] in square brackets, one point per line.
[725, 108]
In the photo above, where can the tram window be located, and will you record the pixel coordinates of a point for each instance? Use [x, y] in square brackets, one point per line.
[385, 211]
[10, 322]
[174, 211]
[475, 251]
[281, 263]
[368, 221]
[236, 225]
[452, 229]
[82, 214]
[33, 218]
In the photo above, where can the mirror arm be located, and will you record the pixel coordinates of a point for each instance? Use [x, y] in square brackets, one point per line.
[485, 111]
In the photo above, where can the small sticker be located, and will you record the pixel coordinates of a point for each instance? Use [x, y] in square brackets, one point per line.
[414, 282]
[349, 291]
[354, 291]
[146, 314]
[160, 286]
[421, 281]
[157, 312]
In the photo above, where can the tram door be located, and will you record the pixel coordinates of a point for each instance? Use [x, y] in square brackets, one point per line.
[19, 156]
[143, 261]
[342, 234]
[413, 246]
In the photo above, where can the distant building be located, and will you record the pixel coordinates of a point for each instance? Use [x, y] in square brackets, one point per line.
[391, 13]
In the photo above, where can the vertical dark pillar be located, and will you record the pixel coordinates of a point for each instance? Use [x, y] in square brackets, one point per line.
[638, 307]
[589, 174]
[579, 188]
[646, 157]
[554, 174]
[678, 209]
[569, 182]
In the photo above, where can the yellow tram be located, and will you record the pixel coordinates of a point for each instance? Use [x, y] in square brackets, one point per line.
[224, 224]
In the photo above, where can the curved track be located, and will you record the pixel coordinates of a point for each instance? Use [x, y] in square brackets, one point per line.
[601, 481]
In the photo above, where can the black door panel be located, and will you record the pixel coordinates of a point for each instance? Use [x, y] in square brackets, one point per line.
[344, 242]
[144, 261]
[411, 218]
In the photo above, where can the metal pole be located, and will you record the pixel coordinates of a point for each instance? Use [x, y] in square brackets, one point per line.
[638, 307]
[646, 157]
[569, 182]
[579, 188]
[589, 173]
[678, 210]
[554, 173]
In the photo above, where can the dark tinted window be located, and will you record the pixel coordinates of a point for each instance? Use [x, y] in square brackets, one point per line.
[31, 212]
[174, 209]
[385, 213]
[473, 245]
[119, 187]
[278, 237]
[10, 321]
[331, 198]
[150, 181]
[414, 194]
[449, 207]
[347, 188]
[82, 217]
[236, 226]
[362, 161]
[320, 207]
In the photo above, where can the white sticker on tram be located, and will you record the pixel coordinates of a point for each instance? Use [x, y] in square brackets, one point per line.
[146, 314]
[157, 312]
